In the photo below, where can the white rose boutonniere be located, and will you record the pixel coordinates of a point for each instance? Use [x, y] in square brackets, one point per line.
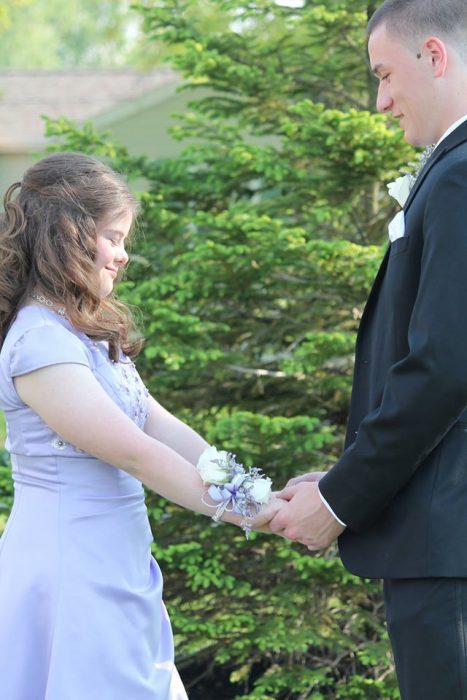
[400, 188]
[233, 487]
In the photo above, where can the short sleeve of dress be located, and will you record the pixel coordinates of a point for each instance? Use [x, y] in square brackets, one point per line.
[46, 345]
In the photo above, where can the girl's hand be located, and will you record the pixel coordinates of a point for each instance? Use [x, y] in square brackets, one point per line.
[261, 521]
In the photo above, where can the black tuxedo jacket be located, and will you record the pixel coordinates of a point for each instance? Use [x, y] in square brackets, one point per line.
[401, 483]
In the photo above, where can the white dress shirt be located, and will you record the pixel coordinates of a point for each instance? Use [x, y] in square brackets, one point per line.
[452, 128]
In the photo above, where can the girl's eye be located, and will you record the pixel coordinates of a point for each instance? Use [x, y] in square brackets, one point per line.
[385, 77]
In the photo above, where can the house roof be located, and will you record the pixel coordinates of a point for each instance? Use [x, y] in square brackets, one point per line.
[26, 95]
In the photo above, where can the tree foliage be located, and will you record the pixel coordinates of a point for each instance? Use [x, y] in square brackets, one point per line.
[76, 33]
[84, 34]
[256, 250]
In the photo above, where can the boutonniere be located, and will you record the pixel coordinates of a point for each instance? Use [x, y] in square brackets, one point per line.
[400, 188]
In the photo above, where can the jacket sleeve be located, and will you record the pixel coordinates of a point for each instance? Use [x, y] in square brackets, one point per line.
[426, 391]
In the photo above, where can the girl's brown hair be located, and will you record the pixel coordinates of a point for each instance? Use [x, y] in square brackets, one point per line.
[48, 242]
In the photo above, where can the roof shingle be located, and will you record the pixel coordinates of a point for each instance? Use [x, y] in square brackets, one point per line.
[26, 95]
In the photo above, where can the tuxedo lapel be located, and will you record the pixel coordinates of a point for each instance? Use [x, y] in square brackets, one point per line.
[374, 290]
[452, 141]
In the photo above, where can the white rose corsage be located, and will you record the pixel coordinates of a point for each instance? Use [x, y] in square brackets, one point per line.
[232, 487]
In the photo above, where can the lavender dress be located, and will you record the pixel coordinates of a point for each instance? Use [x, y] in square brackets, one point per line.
[81, 611]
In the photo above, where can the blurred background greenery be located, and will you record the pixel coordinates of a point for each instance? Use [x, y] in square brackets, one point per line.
[5, 477]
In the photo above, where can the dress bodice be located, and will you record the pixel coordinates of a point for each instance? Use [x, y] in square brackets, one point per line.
[38, 338]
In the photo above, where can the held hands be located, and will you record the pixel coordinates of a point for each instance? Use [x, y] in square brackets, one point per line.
[299, 514]
[262, 520]
[243, 496]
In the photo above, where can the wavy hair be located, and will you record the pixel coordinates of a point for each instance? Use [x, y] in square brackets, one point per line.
[48, 242]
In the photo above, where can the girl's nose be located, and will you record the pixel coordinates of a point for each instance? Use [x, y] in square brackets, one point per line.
[122, 256]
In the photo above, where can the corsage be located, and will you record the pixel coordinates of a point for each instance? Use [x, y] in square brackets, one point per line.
[232, 487]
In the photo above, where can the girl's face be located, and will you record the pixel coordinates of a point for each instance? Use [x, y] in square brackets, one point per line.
[111, 234]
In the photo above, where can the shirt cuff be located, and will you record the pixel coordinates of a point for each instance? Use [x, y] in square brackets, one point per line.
[330, 509]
